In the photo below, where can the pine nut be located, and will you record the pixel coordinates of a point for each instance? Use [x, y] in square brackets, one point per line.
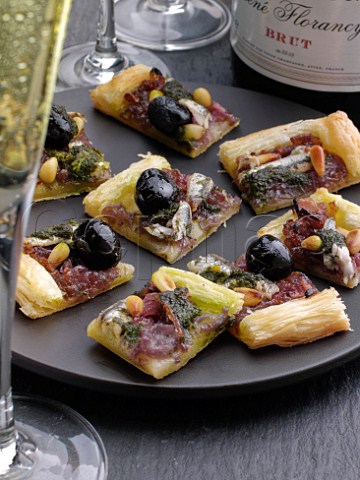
[59, 254]
[192, 131]
[155, 93]
[317, 157]
[353, 241]
[202, 96]
[312, 243]
[134, 304]
[48, 170]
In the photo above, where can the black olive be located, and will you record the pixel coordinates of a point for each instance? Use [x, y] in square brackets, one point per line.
[166, 114]
[269, 256]
[97, 245]
[61, 128]
[155, 191]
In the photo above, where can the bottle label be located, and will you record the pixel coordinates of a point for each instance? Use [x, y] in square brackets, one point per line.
[308, 44]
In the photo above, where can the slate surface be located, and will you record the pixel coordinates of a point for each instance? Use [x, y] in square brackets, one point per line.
[307, 431]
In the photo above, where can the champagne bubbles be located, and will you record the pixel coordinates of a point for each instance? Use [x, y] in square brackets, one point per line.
[22, 25]
[19, 17]
[26, 26]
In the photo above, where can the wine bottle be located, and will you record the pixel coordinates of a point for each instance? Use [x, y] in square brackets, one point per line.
[306, 52]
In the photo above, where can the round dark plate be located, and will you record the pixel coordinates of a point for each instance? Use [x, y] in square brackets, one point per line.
[57, 346]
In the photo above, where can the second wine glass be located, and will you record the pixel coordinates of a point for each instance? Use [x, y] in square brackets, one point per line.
[171, 24]
[92, 64]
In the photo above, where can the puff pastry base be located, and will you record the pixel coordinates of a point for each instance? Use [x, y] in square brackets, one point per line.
[346, 215]
[57, 190]
[287, 312]
[213, 300]
[296, 322]
[338, 136]
[121, 190]
[71, 187]
[38, 295]
[112, 98]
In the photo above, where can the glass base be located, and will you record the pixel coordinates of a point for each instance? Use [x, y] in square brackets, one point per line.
[79, 67]
[54, 443]
[195, 23]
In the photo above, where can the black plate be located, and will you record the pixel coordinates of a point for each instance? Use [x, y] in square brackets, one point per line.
[58, 347]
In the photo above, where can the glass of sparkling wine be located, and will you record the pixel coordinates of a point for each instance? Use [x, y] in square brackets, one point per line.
[39, 439]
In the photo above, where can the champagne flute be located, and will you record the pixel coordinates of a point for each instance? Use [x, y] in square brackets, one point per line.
[39, 439]
[88, 64]
[171, 24]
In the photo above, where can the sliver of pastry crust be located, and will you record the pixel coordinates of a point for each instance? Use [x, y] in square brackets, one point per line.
[162, 108]
[273, 166]
[197, 209]
[167, 323]
[323, 234]
[296, 322]
[54, 274]
[286, 312]
[70, 164]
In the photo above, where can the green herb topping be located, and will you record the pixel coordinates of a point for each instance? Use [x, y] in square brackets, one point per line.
[175, 90]
[180, 304]
[238, 278]
[80, 161]
[329, 237]
[62, 231]
[131, 332]
[257, 184]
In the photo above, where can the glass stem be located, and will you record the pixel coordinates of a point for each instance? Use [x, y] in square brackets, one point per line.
[166, 6]
[105, 55]
[10, 244]
[7, 433]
